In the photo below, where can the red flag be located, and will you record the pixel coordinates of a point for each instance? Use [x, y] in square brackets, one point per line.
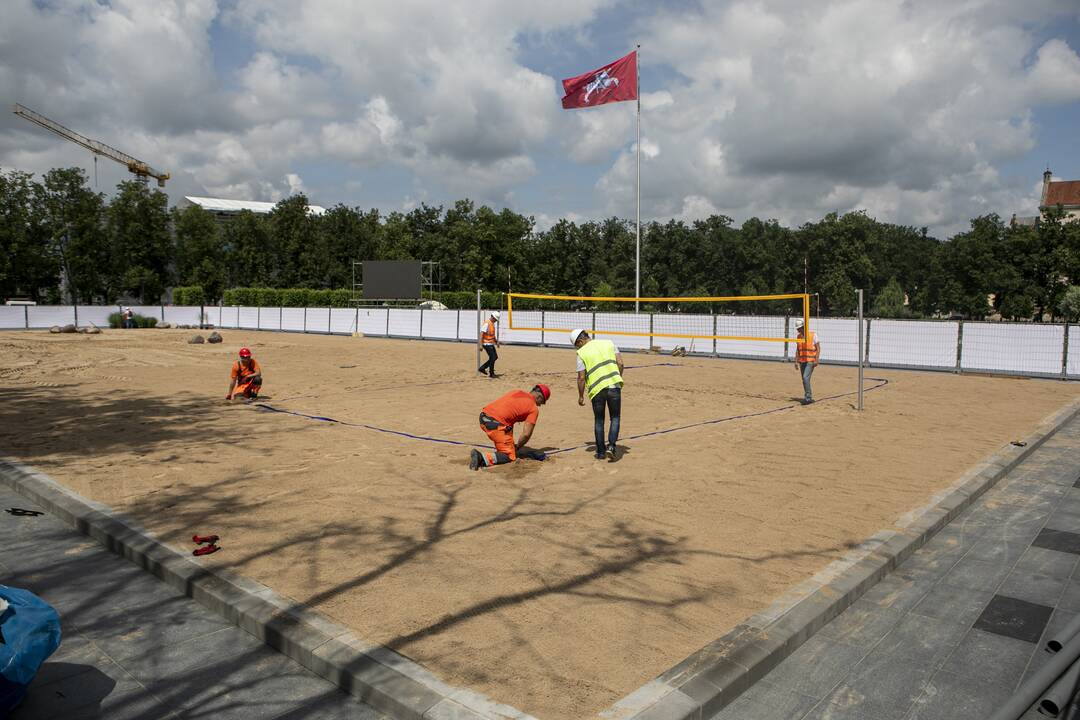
[614, 82]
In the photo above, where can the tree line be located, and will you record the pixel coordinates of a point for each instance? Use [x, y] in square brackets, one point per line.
[61, 241]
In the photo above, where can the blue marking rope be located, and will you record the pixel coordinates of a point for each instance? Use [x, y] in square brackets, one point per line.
[881, 382]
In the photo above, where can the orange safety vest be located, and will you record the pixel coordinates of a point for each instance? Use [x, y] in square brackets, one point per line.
[487, 337]
[806, 350]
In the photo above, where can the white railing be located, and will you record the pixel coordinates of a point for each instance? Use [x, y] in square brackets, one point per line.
[1029, 349]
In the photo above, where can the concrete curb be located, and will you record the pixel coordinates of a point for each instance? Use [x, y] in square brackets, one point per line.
[385, 680]
[711, 678]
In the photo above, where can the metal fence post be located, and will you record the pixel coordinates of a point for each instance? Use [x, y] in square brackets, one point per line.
[305, 318]
[650, 332]
[457, 329]
[715, 351]
[869, 324]
[594, 323]
[329, 320]
[387, 321]
[543, 324]
[959, 344]
[861, 348]
[258, 317]
[421, 323]
[478, 311]
[1065, 353]
[26, 316]
[76, 309]
[280, 321]
[787, 334]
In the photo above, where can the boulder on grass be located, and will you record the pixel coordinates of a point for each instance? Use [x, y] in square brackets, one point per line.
[196, 340]
[214, 337]
[69, 329]
[164, 325]
[55, 329]
[93, 330]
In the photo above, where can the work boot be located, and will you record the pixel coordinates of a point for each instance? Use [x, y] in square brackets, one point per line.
[611, 452]
[807, 401]
[476, 460]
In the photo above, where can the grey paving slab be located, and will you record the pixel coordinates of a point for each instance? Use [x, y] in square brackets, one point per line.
[948, 602]
[986, 656]
[898, 592]
[816, 668]
[1033, 587]
[1070, 597]
[862, 624]
[1048, 562]
[976, 574]
[884, 688]
[920, 639]
[764, 701]
[134, 648]
[949, 696]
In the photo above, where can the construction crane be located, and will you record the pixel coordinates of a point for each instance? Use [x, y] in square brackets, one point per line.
[141, 170]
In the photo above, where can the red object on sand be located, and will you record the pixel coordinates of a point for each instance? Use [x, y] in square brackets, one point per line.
[205, 550]
[203, 539]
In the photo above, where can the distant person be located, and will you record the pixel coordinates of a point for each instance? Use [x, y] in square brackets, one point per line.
[246, 377]
[489, 339]
[807, 352]
[128, 316]
[599, 370]
[498, 419]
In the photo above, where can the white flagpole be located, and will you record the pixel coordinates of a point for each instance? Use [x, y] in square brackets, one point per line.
[637, 263]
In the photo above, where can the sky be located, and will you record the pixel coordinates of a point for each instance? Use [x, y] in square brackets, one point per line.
[920, 112]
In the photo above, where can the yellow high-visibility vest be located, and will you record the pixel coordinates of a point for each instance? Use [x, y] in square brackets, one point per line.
[601, 367]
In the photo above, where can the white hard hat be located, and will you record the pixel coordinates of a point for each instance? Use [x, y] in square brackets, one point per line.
[574, 335]
[799, 324]
[495, 314]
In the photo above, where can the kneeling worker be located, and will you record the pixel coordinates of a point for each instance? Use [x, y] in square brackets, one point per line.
[600, 369]
[246, 377]
[498, 419]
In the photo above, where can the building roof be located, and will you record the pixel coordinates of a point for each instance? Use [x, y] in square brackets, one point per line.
[1063, 192]
[232, 206]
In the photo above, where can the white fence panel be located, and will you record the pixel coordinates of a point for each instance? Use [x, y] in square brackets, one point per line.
[598, 323]
[839, 338]
[467, 325]
[1013, 348]
[1073, 364]
[292, 319]
[153, 311]
[404, 323]
[96, 314]
[248, 318]
[373, 321]
[677, 324]
[441, 324]
[213, 315]
[343, 321]
[178, 315]
[522, 318]
[45, 316]
[751, 326]
[269, 318]
[13, 317]
[913, 342]
[557, 326]
[318, 320]
[230, 317]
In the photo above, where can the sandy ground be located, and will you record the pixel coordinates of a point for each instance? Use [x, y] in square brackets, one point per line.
[556, 587]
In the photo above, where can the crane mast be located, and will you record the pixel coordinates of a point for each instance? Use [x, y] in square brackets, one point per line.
[140, 169]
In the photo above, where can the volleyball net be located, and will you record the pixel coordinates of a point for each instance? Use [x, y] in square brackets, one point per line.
[756, 318]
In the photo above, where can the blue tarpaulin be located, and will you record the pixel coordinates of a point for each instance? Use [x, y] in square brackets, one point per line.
[29, 634]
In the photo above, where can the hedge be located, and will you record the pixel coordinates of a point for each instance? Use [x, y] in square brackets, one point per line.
[141, 321]
[307, 297]
[189, 295]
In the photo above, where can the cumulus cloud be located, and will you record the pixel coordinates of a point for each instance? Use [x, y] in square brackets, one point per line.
[777, 108]
[790, 110]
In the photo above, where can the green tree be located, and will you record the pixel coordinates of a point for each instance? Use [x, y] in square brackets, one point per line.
[889, 303]
[1069, 305]
[72, 219]
[200, 254]
[28, 261]
[140, 242]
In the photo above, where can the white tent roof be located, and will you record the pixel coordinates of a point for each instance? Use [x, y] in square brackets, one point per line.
[221, 205]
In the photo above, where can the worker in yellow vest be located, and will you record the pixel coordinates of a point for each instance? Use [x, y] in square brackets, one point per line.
[807, 352]
[599, 370]
[489, 340]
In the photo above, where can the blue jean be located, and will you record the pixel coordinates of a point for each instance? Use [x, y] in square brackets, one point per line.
[611, 398]
[806, 370]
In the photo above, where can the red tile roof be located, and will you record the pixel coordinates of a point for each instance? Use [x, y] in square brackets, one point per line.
[1063, 192]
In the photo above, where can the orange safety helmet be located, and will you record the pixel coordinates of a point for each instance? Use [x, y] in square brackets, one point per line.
[245, 353]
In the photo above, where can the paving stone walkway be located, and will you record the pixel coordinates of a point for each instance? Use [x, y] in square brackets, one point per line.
[134, 648]
[953, 631]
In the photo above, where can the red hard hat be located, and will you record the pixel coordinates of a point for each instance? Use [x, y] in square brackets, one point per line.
[544, 390]
[244, 352]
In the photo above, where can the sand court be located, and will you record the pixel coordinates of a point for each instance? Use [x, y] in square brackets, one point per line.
[556, 587]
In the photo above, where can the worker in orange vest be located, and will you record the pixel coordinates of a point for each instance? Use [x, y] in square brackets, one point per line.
[807, 352]
[490, 340]
[245, 377]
